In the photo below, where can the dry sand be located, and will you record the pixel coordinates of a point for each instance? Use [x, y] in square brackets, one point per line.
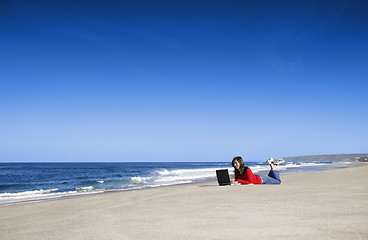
[329, 204]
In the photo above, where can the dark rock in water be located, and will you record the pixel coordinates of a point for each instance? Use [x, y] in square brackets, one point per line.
[362, 159]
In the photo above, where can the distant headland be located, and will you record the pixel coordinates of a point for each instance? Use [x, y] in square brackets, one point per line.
[356, 157]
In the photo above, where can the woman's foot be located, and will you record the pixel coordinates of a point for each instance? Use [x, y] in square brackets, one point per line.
[278, 161]
[273, 166]
[270, 160]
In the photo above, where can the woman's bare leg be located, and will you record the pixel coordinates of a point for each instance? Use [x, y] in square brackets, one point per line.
[273, 166]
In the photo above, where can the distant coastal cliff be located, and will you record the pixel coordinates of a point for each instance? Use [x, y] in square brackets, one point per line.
[357, 157]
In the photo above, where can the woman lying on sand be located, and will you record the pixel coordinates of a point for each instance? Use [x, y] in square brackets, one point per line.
[244, 175]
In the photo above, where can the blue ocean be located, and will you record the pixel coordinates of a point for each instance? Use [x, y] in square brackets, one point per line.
[24, 182]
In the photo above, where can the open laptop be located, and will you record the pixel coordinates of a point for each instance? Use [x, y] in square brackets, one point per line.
[223, 177]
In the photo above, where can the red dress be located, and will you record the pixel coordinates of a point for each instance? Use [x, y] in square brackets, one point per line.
[248, 177]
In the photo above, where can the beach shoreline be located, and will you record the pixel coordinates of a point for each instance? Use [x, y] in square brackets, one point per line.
[330, 204]
[99, 178]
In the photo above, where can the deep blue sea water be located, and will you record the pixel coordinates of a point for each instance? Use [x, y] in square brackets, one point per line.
[23, 182]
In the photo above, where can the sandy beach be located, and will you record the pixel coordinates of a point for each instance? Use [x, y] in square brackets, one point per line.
[330, 204]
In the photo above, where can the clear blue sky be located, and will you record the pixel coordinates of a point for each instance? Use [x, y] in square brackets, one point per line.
[182, 80]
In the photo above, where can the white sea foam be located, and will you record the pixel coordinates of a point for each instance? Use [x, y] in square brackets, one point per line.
[140, 179]
[166, 177]
[289, 165]
[259, 168]
[84, 189]
[27, 193]
[100, 181]
[347, 163]
[38, 195]
[163, 172]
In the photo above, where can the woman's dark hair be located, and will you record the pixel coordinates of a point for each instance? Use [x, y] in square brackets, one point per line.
[242, 167]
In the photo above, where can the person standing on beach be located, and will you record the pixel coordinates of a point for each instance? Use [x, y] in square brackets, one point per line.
[244, 175]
